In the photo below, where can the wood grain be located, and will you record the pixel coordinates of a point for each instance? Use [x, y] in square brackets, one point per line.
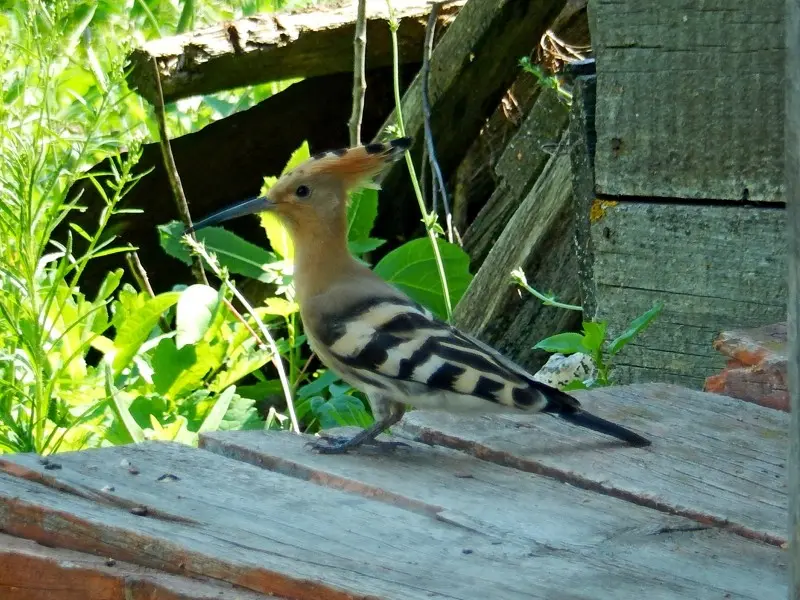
[713, 267]
[689, 101]
[277, 47]
[538, 238]
[518, 167]
[714, 459]
[540, 512]
[472, 67]
[29, 571]
[792, 178]
[276, 534]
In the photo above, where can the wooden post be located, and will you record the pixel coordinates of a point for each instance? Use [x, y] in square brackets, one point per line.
[792, 174]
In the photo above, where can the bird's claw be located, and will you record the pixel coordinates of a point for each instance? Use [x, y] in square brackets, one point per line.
[340, 445]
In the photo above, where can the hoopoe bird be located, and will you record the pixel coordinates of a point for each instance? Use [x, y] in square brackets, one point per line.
[372, 335]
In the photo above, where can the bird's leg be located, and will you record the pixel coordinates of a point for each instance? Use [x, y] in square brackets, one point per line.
[340, 445]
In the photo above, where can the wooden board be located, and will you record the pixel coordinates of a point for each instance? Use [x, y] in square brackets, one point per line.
[689, 98]
[517, 168]
[499, 501]
[29, 571]
[277, 47]
[538, 239]
[714, 459]
[474, 531]
[471, 69]
[714, 268]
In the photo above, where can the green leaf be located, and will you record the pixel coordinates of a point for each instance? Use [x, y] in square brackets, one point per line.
[120, 403]
[326, 379]
[242, 414]
[143, 407]
[280, 306]
[361, 213]
[635, 328]
[279, 237]
[563, 343]
[593, 335]
[218, 411]
[194, 313]
[363, 246]
[136, 328]
[341, 411]
[169, 364]
[412, 269]
[234, 253]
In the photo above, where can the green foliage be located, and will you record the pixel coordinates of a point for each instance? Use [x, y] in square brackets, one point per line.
[122, 367]
[412, 269]
[592, 341]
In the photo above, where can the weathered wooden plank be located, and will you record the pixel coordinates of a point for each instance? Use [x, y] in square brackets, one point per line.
[497, 501]
[792, 179]
[472, 67]
[275, 534]
[518, 167]
[29, 571]
[714, 459]
[582, 142]
[688, 98]
[538, 239]
[713, 267]
[275, 47]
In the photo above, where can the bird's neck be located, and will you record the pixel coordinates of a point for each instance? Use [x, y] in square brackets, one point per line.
[321, 256]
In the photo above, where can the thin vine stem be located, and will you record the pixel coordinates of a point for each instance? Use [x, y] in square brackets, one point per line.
[429, 220]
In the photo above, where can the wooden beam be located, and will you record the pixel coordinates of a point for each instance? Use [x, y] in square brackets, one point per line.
[274, 47]
[792, 175]
[472, 67]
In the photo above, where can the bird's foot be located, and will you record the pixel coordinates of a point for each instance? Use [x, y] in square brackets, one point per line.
[333, 444]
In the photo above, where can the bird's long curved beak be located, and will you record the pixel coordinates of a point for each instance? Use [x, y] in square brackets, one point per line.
[240, 209]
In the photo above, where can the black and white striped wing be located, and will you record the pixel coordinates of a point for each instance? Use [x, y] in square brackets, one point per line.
[397, 346]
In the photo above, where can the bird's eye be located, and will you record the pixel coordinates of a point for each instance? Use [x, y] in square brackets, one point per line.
[302, 191]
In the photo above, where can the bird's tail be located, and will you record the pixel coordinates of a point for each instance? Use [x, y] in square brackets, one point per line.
[568, 408]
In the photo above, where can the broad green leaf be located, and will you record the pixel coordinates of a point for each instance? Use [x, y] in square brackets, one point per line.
[593, 335]
[563, 343]
[341, 411]
[152, 405]
[194, 312]
[137, 326]
[412, 269]
[365, 245]
[242, 414]
[361, 213]
[635, 328]
[234, 253]
[326, 379]
[300, 155]
[169, 363]
[120, 403]
[218, 411]
[244, 364]
[279, 237]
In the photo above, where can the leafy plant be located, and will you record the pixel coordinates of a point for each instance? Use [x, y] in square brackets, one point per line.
[592, 341]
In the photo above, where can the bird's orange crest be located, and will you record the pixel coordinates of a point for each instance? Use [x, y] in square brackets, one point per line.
[352, 165]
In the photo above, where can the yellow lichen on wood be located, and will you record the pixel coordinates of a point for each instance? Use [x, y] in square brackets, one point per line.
[599, 208]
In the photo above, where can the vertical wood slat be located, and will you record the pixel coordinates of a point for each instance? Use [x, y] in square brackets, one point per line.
[792, 175]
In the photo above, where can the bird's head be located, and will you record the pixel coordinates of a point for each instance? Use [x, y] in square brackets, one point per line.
[315, 192]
